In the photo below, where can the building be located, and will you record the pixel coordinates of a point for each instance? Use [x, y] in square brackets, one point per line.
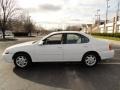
[110, 28]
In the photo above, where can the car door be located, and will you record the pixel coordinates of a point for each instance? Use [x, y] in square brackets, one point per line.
[51, 50]
[75, 47]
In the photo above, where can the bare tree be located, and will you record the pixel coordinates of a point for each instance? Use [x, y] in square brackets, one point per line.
[29, 26]
[7, 11]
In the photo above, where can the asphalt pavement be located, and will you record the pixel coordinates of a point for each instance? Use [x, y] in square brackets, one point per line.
[60, 76]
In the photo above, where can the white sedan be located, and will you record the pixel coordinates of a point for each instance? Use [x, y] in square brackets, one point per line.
[62, 46]
[8, 34]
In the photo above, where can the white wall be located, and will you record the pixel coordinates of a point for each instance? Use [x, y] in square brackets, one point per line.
[109, 27]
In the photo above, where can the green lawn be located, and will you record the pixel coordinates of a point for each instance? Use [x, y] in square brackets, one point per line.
[110, 38]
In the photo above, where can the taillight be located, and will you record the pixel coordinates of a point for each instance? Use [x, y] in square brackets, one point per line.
[110, 47]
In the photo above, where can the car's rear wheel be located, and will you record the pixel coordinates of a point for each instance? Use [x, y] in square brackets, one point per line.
[90, 59]
[22, 60]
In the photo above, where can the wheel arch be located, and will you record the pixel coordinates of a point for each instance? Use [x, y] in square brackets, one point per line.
[92, 52]
[21, 52]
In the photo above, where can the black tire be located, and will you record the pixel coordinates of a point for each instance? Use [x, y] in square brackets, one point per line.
[22, 63]
[90, 59]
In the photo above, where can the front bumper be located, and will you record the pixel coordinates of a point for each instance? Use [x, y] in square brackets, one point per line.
[7, 57]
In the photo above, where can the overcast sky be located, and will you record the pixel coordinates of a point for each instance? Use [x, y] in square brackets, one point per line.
[56, 12]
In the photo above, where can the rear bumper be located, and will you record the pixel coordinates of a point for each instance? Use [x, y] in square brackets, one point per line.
[107, 54]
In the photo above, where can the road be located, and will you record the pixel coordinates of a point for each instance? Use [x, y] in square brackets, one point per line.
[60, 76]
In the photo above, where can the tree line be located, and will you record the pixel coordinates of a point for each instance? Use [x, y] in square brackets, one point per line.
[14, 18]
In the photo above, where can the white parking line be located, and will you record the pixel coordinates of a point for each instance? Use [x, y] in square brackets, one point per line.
[110, 63]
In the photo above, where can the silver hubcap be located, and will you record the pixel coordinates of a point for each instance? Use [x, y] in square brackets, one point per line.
[21, 61]
[90, 60]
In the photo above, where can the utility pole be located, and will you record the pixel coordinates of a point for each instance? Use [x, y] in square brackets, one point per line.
[117, 17]
[98, 19]
[114, 25]
[107, 7]
[117, 13]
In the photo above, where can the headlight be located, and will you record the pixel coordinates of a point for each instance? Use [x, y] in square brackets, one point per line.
[7, 52]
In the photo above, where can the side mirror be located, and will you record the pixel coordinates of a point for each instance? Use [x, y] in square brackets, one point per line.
[41, 43]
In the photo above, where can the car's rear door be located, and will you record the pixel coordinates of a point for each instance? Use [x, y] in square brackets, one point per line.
[74, 47]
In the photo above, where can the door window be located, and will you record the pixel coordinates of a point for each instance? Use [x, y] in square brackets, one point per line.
[54, 39]
[73, 39]
[76, 39]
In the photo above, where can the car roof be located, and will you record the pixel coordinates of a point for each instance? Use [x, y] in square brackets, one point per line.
[79, 32]
[66, 32]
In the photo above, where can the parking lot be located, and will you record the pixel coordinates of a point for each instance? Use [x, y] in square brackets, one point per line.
[60, 76]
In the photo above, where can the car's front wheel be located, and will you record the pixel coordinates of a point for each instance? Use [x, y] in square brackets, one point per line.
[22, 60]
[90, 59]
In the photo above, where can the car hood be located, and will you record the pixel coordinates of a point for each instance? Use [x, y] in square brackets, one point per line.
[21, 45]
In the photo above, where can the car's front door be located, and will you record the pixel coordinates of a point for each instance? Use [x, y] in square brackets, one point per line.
[51, 50]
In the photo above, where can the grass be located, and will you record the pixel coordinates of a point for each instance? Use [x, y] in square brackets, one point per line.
[106, 37]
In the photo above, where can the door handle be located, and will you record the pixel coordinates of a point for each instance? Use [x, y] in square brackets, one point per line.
[59, 47]
[85, 46]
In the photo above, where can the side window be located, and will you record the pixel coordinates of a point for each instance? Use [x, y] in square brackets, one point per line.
[54, 39]
[76, 39]
[84, 39]
[73, 39]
